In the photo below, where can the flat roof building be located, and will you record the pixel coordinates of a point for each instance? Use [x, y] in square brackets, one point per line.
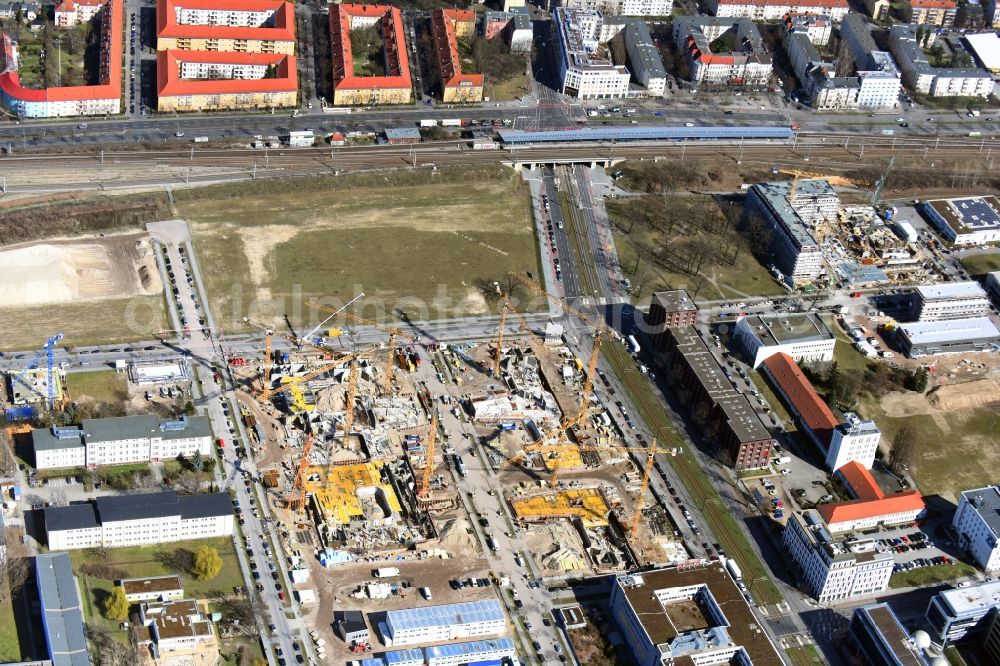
[977, 524]
[741, 435]
[174, 625]
[668, 309]
[953, 336]
[854, 440]
[586, 70]
[925, 79]
[689, 615]
[804, 337]
[159, 588]
[444, 622]
[351, 626]
[950, 300]
[351, 87]
[962, 613]
[986, 47]
[871, 506]
[964, 220]
[878, 638]
[62, 610]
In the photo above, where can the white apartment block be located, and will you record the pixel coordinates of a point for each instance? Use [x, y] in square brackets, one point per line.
[625, 7]
[585, 65]
[879, 89]
[853, 439]
[948, 301]
[773, 10]
[120, 441]
[977, 523]
[137, 520]
[644, 58]
[834, 569]
[70, 13]
[819, 29]
[751, 64]
[231, 18]
[221, 70]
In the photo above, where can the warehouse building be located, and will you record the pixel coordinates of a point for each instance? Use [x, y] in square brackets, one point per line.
[586, 70]
[878, 638]
[133, 520]
[992, 284]
[953, 336]
[835, 569]
[61, 610]
[669, 309]
[949, 300]
[719, 625]
[748, 64]
[963, 613]
[964, 220]
[804, 337]
[772, 10]
[234, 26]
[977, 524]
[986, 47]
[394, 85]
[221, 81]
[871, 506]
[61, 101]
[445, 622]
[120, 441]
[447, 27]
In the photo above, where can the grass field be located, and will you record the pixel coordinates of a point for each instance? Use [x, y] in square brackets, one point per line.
[512, 88]
[424, 244]
[980, 264]
[10, 645]
[720, 520]
[807, 655]
[98, 385]
[91, 322]
[931, 575]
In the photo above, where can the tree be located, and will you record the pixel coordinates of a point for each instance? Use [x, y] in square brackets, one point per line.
[115, 606]
[197, 462]
[904, 449]
[207, 563]
[917, 381]
[189, 408]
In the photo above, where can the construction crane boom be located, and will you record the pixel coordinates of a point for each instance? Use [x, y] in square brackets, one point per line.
[268, 393]
[48, 349]
[637, 514]
[352, 394]
[424, 492]
[297, 498]
[796, 175]
[265, 375]
[309, 336]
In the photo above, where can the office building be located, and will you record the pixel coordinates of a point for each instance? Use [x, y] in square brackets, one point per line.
[722, 628]
[963, 613]
[835, 568]
[949, 300]
[964, 220]
[513, 26]
[977, 524]
[392, 85]
[133, 520]
[223, 81]
[101, 99]
[233, 26]
[586, 70]
[925, 79]
[953, 336]
[61, 610]
[351, 626]
[174, 625]
[120, 440]
[447, 27]
[445, 622]
[773, 10]
[490, 651]
[797, 254]
[668, 309]
[741, 435]
[159, 588]
[938, 13]
[625, 7]
[872, 506]
[808, 409]
[748, 63]
[878, 638]
[804, 337]
[854, 440]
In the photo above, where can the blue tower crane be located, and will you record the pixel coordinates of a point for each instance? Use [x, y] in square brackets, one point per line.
[49, 351]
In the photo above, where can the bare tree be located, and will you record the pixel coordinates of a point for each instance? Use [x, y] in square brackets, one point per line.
[108, 651]
[904, 449]
[242, 610]
[15, 567]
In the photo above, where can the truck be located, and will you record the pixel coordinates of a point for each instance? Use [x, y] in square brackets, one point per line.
[973, 113]
[509, 425]
[734, 569]
[386, 572]
[460, 466]
[783, 460]
[428, 122]
[426, 593]
[451, 122]
[633, 345]
[201, 139]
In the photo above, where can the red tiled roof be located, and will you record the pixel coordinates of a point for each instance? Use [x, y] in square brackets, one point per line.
[811, 408]
[282, 31]
[861, 481]
[932, 4]
[398, 74]
[109, 88]
[170, 84]
[443, 23]
[901, 502]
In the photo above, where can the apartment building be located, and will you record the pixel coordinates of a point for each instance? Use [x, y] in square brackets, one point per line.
[835, 568]
[625, 7]
[513, 25]
[586, 70]
[447, 27]
[951, 300]
[70, 13]
[157, 588]
[120, 441]
[940, 13]
[642, 56]
[871, 506]
[62, 101]
[740, 434]
[134, 520]
[817, 75]
[237, 26]
[878, 10]
[819, 29]
[220, 81]
[977, 523]
[773, 10]
[803, 337]
[748, 63]
[924, 79]
[668, 309]
[963, 613]
[879, 78]
[854, 440]
[394, 85]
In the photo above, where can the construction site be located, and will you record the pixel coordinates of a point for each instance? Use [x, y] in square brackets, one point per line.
[375, 451]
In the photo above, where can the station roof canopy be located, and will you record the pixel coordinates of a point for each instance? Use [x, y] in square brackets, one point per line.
[645, 134]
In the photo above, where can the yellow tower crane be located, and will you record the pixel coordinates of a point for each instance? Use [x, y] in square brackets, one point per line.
[297, 498]
[424, 491]
[352, 394]
[633, 525]
[268, 332]
[796, 175]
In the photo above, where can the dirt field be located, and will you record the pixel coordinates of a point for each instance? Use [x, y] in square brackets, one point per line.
[427, 249]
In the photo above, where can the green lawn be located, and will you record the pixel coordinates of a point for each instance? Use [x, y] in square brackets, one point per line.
[98, 385]
[847, 357]
[721, 521]
[10, 645]
[806, 655]
[980, 264]
[512, 88]
[931, 575]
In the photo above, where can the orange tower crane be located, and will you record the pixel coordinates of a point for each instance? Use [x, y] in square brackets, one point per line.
[633, 525]
[424, 492]
[297, 498]
[268, 332]
[352, 394]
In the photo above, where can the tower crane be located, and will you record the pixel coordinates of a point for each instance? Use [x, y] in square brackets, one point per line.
[633, 525]
[48, 349]
[797, 175]
[352, 394]
[297, 498]
[268, 393]
[505, 307]
[308, 337]
[424, 491]
[265, 376]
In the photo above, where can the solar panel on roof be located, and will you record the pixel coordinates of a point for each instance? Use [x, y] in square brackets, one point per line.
[977, 214]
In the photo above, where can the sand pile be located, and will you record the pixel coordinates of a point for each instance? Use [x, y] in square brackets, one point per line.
[965, 396]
